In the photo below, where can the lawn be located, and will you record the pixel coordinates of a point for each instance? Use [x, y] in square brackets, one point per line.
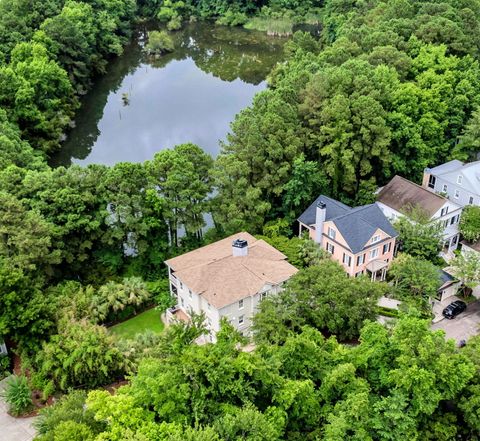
[146, 320]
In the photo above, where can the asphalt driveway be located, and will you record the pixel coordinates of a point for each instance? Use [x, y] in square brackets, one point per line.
[464, 325]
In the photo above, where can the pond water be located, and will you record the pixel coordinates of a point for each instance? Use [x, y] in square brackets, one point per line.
[190, 95]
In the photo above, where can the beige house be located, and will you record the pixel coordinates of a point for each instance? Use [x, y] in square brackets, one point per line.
[361, 239]
[227, 279]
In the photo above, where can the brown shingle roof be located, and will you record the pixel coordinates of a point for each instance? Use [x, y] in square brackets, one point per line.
[213, 272]
[402, 195]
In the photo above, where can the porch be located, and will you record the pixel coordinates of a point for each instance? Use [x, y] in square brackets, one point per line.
[377, 269]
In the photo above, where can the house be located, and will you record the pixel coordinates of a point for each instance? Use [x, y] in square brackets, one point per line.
[361, 239]
[227, 279]
[401, 195]
[455, 179]
[449, 285]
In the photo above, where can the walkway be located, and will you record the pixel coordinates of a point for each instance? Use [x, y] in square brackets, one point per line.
[14, 429]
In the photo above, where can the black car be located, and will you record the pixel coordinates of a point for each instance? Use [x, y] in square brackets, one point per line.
[455, 308]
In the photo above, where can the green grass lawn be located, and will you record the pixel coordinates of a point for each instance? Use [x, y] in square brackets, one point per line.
[146, 320]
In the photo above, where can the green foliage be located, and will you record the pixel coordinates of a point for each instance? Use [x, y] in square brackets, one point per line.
[466, 267]
[69, 409]
[17, 395]
[159, 42]
[321, 296]
[415, 277]
[470, 223]
[392, 385]
[418, 235]
[81, 354]
[4, 366]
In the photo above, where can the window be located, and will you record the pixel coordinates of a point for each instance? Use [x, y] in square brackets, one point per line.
[181, 285]
[330, 248]
[208, 306]
[444, 211]
[454, 240]
[347, 260]
[445, 224]
[190, 293]
[331, 233]
[431, 181]
[240, 304]
[375, 239]
[241, 320]
[387, 247]
[452, 220]
[374, 253]
[263, 295]
[470, 201]
[182, 302]
[445, 188]
[457, 194]
[361, 259]
[173, 288]
[459, 179]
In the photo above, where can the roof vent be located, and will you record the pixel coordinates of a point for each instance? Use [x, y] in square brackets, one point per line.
[239, 248]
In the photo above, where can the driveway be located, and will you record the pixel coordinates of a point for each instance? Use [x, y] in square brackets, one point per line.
[463, 326]
[14, 429]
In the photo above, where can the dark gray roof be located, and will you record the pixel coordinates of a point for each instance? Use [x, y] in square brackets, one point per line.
[445, 277]
[356, 225]
[333, 207]
[359, 224]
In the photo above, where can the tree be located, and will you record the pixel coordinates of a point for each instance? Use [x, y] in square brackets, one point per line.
[321, 296]
[181, 179]
[466, 267]
[418, 235]
[415, 277]
[81, 354]
[470, 223]
[159, 42]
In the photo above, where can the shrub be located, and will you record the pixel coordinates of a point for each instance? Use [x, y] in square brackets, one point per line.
[159, 42]
[18, 395]
[4, 366]
[71, 408]
[175, 23]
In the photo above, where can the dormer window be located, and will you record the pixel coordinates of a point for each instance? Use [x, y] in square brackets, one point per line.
[459, 179]
[331, 233]
[375, 239]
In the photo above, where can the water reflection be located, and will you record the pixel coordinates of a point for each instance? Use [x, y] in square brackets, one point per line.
[143, 105]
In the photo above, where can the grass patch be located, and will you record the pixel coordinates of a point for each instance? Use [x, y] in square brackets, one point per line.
[146, 320]
[281, 27]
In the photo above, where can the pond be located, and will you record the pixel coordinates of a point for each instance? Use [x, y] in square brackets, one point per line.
[143, 105]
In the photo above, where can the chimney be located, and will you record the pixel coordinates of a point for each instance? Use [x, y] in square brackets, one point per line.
[319, 220]
[239, 248]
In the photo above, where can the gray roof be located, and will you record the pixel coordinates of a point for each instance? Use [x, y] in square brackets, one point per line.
[334, 208]
[445, 277]
[356, 225]
[450, 171]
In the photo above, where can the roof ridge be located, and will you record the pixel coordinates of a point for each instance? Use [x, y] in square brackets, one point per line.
[419, 186]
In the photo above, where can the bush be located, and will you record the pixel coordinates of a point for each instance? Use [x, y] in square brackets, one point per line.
[71, 408]
[4, 366]
[159, 42]
[387, 312]
[233, 18]
[175, 23]
[18, 395]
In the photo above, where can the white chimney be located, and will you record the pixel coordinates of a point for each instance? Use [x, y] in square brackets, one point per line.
[319, 220]
[239, 248]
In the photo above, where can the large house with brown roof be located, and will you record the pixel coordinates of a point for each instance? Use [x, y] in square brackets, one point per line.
[227, 279]
[361, 238]
[400, 196]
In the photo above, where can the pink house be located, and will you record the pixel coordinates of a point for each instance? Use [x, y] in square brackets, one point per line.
[361, 239]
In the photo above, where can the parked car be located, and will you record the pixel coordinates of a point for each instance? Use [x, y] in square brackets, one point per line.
[455, 308]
